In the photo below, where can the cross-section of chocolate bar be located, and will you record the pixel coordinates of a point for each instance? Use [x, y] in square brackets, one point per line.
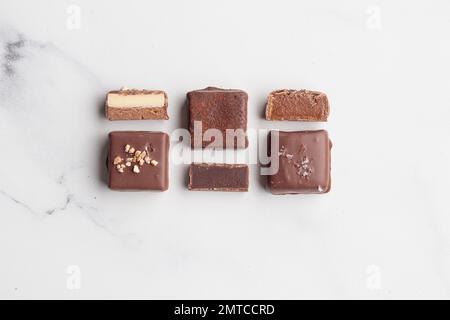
[132, 104]
[297, 105]
[218, 177]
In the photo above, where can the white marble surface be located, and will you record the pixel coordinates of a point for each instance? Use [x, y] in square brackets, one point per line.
[382, 232]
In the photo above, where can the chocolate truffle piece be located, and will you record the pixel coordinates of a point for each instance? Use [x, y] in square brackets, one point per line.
[138, 160]
[304, 162]
[218, 177]
[131, 104]
[300, 105]
[219, 109]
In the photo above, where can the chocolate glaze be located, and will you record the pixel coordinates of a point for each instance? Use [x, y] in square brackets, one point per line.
[304, 163]
[150, 177]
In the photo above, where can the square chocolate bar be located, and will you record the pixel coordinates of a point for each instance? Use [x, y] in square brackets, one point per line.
[304, 162]
[138, 160]
[218, 118]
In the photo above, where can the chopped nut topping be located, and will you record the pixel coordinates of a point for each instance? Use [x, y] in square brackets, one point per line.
[141, 156]
[136, 159]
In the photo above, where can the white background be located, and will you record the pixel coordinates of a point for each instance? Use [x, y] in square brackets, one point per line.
[382, 232]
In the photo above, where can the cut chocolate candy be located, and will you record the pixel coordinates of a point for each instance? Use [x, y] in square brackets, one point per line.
[138, 160]
[303, 162]
[302, 105]
[131, 104]
[218, 118]
[218, 177]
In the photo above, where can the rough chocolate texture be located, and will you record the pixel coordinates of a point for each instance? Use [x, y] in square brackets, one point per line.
[218, 109]
[141, 112]
[150, 177]
[304, 163]
[218, 177]
[302, 105]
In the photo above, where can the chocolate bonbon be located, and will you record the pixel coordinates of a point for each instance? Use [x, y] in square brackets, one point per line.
[218, 177]
[297, 105]
[218, 111]
[132, 104]
[138, 160]
[304, 162]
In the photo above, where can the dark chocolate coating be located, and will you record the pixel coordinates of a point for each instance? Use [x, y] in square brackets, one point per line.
[304, 163]
[150, 177]
[218, 109]
[218, 177]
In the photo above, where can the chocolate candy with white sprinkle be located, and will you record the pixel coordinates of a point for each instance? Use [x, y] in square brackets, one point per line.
[304, 162]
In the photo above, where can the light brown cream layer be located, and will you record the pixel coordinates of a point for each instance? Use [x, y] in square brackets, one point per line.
[118, 100]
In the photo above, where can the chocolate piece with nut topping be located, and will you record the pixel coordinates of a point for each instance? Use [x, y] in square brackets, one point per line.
[222, 110]
[302, 105]
[138, 160]
[132, 104]
[218, 177]
[304, 162]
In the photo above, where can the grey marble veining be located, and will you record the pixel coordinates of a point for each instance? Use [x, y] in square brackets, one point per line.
[382, 232]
